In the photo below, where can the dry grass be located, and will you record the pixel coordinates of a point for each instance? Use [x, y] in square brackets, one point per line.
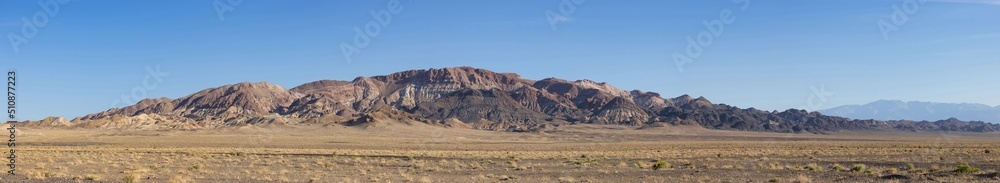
[456, 155]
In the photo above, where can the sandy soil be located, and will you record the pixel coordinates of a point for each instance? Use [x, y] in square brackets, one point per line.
[397, 152]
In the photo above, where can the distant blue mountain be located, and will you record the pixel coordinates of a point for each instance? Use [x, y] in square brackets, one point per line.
[914, 110]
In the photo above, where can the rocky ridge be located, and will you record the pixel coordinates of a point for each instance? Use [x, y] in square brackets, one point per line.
[469, 98]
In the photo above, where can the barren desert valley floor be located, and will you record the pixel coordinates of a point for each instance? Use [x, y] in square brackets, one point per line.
[400, 152]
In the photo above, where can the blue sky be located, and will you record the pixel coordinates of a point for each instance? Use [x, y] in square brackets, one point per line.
[769, 56]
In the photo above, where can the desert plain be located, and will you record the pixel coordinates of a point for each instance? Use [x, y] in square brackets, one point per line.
[415, 152]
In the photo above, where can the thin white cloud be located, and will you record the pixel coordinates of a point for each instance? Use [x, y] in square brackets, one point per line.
[989, 2]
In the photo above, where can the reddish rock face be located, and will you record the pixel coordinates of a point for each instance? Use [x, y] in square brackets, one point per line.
[465, 97]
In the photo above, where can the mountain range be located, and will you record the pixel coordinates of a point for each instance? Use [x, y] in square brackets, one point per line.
[466, 97]
[915, 110]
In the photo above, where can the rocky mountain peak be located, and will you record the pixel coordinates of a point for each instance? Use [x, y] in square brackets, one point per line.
[603, 87]
[240, 98]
